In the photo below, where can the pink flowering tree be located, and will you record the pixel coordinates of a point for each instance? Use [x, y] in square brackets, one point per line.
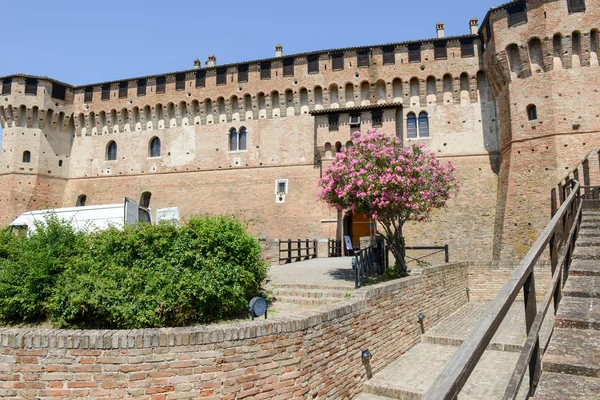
[391, 183]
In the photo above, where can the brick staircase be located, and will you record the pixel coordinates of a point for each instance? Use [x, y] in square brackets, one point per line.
[309, 294]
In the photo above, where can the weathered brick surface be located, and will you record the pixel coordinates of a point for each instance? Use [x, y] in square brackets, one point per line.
[313, 354]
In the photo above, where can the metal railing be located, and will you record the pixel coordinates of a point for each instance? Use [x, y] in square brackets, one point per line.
[297, 250]
[373, 260]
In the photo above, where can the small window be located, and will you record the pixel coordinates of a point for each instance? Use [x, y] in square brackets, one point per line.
[265, 70]
[532, 112]
[517, 14]
[288, 67]
[81, 200]
[281, 186]
[423, 125]
[155, 147]
[233, 140]
[58, 91]
[377, 117]
[243, 73]
[242, 145]
[337, 61]
[31, 86]
[123, 88]
[111, 151]
[411, 126]
[313, 64]
[388, 55]
[141, 87]
[26, 156]
[362, 57]
[200, 79]
[440, 50]
[105, 92]
[6, 86]
[576, 5]
[88, 94]
[333, 120]
[161, 83]
[60, 163]
[145, 199]
[221, 76]
[414, 52]
[467, 49]
[180, 82]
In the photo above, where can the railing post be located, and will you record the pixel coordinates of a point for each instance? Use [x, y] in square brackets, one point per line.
[307, 250]
[447, 253]
[289, 257]
[586, 176]
[530, 313]
[299, 249]
[316, 249]
[553, 267]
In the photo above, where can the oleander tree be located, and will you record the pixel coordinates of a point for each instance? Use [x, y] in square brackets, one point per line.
[393, 184]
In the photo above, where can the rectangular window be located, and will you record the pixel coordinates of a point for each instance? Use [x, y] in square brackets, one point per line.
[313, 64]
[377, 117]
[388, 55]
[31, 86]
[141, 87]
[243, 73]
[439, 50]
[337, 61]
[221, 76]
[6, 86]
[576, 5]
[333, 120]
[517, 14]
[161, 84]
[467, 49]
[362, 57]
[180, 82]
[105, 92]
[123, 88]
[58, 91]
[88, 94]
[265, 70]
[288, 67]
[200, 79]
[414, 53]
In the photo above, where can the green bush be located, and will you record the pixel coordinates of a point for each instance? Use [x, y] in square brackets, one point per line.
[149, 276]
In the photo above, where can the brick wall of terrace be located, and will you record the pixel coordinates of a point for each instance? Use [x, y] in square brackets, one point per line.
[317, 354]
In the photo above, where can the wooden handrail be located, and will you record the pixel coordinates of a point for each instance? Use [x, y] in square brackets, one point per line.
[449, 383]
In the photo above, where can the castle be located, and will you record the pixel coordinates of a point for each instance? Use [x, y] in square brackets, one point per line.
[512, 104]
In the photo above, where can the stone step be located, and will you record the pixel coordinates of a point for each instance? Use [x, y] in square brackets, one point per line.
[582, 286]
[306, 300]
[367, 396]
[553, 386]
[589, 232]
[586, 253]
[590, 225]
[588, 241]
[311, 293]
[584, 268]
[307, 286]
[578, 312]
[574, 352]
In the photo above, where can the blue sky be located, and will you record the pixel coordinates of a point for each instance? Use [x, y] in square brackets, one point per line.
[86, 42]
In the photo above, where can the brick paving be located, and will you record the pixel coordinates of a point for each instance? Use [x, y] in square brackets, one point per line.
[335, 273]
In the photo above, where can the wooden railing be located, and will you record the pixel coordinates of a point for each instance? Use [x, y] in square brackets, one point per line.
[373, 260]
[297, 250]
[335, 248]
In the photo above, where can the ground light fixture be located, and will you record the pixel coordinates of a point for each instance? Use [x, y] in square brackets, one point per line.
[366, 355]
[257, 307]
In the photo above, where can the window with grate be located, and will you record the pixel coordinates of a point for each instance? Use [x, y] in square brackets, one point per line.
[467, 48]
[141, 87]
[288, 67]
[161, 84]
[6, 86]
[58, 91]
[388, 55]
[243, 73]
[221, 76]
[337, 61]
[333, 120]
[517, 14]
[576, 5]
[439, 50]
[200, 79]
[180, 82]
[243, 135]
[265, 70]
[423, 125]
[233, 140]
[362, 57]
[281, 186]
[31, 86]
[26, 156]
[123, 87]
[411, 126]
[377, 117]
[313, 64]
[81, 200]
[532, 112]
[105, 92]
[414, 53]
[88, 94]
[111, 151]
[155, 147]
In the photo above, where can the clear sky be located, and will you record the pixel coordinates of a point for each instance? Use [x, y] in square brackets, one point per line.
[81, 42]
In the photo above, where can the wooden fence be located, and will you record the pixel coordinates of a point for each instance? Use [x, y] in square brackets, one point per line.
[297, 250]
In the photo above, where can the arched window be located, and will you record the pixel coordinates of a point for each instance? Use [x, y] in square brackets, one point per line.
[423, 125]
[411, 125]
[233, 140]
[145, 199]
[242, 145]
[111, 151]
[81, 200]
[532, 112]
[26, 156]
[155, 147]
